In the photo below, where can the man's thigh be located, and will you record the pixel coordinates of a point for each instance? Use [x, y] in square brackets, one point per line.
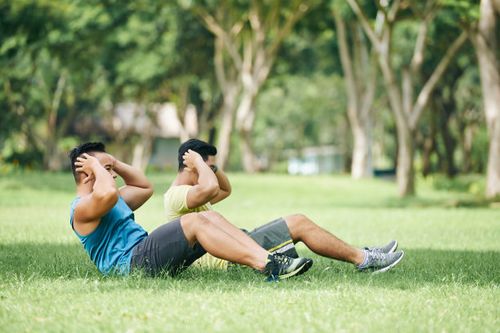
[165, 249]
[275, 238]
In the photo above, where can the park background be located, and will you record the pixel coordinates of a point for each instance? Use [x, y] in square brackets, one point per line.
[377, 119]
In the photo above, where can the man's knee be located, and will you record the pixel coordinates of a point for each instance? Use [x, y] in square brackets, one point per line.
[296, 220]
[191, 223]
[193, 220]
[210, 215]
[297, 224]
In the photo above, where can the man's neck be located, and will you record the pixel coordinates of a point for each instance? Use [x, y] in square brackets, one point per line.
[83, 189]
[184, 178]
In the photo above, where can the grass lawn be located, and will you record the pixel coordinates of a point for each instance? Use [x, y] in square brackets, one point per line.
[448, 281]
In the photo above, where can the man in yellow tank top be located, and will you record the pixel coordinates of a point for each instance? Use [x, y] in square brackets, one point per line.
[200, 183]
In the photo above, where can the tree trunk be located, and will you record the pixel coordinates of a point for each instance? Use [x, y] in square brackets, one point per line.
[253, 65]
[405, 171]
[52, 160]
[360, 95]
[429, 145]
[226, 126]
[250, 162]
[406, 111]
[362, 151]
[485, 45]
[467, 138]
[244, 122]
[142, 152]
[448, 140]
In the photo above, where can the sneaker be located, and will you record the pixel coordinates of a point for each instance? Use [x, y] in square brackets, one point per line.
[378, 262]
[280, 266]
[389, 248]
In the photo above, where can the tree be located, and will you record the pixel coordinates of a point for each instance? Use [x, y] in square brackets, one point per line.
[359, 78]
[485, 41]
[407, 110]
[251, 35]
[40, 39]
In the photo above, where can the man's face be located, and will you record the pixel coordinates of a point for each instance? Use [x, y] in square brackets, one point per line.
[210, 160]
[107, 161]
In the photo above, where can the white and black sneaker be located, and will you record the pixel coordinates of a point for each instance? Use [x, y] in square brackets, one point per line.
[280, 266]
[379, 262]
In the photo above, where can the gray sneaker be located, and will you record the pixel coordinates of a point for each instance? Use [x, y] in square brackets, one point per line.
[281, 267]
[389, 248]
[378, 262]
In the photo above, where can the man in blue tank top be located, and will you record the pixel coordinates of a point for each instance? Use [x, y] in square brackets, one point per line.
[102, 218]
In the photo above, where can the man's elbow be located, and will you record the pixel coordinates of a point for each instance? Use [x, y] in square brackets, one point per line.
[212, 190]
[107, 197]
[149, 192]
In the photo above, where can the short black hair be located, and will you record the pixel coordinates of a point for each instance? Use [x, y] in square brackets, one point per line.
[201, 147]
[87, 147]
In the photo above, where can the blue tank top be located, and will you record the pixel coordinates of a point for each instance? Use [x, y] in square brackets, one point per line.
[110, 245]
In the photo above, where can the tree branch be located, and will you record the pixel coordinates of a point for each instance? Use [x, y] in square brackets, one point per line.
[298, 12]
[214, 27]
[220, 72]
[345, 59]
[407, 85]
[364, 22]
[393, 12]
[423, 96]
[418, 53]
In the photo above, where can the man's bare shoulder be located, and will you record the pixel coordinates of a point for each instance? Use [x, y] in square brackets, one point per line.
[85, 220]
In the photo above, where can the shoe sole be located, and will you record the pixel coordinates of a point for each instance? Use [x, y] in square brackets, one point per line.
[299, 270]
[385, 269]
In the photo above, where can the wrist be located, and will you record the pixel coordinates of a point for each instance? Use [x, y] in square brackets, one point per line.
[117, 165]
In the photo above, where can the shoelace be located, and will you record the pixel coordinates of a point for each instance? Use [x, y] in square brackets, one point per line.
[377, 257]
[282, 259]
[374, 249]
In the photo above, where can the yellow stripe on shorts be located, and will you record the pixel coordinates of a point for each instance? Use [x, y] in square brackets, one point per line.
[280, 246]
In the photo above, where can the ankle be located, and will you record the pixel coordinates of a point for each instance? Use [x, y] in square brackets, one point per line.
[360, 258]
[261, 262]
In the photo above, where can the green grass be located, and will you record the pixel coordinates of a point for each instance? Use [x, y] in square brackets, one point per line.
[448, 281]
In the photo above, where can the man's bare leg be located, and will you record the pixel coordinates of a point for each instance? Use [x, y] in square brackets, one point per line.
[231, 229]
[221, 244]
[321, 241]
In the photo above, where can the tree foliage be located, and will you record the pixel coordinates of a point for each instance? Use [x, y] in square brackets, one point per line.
[65, 64]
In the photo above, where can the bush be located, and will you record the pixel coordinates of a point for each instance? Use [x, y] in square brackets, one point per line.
[473, 184]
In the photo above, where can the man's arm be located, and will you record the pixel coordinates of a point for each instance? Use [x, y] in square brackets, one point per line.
[207, 187]
[104, 194]
[224, 186]
[137, 189]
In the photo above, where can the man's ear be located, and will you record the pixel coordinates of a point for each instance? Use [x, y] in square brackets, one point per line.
[80, 176]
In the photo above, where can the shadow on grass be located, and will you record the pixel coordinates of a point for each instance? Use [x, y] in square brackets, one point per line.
[45, 260]
[420, 267]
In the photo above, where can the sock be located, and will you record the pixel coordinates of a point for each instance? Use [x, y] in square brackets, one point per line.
[365, 260]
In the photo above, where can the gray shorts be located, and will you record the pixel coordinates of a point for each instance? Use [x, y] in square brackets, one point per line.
[166, 249]
[275, 238]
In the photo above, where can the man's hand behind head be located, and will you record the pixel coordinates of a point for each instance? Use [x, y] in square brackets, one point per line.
[85, 164]
[191, 159]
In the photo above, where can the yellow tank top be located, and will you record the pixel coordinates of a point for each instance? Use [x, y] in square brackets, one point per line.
[174, 203]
